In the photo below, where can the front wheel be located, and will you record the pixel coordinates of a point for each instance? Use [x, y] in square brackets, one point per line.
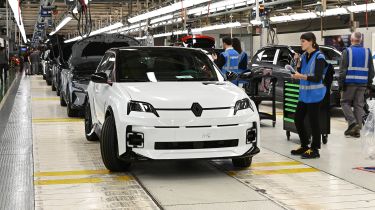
[109, 147]
[90, 136]
[242, 162]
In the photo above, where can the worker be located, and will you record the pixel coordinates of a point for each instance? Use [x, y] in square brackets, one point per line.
[227, 60]
[242, 57]
[3, 64]
[34, 60]
[311, 67]
[356, 75]
[242, 60]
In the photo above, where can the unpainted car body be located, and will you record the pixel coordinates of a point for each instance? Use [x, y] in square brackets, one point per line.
[86, 55]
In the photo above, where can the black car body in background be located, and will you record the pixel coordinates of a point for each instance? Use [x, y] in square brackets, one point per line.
[60, 63]
[85, 57]
[274, 58]
[47, 63]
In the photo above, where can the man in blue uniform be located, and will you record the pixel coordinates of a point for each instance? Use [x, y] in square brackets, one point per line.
[356, 75]
[228, 60]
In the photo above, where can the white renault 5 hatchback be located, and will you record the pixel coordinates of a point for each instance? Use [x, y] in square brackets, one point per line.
[168, 103]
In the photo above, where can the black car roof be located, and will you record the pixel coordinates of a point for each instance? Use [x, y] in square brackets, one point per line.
[157, 47]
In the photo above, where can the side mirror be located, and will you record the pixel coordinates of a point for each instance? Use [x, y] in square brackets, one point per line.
[231, 76]
[99, 77]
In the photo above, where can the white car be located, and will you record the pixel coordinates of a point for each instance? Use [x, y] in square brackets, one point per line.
[168, 103]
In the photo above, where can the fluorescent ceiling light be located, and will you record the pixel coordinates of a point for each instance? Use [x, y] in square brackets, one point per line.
[99, 31]
[361, 8]
[198, 30]
[108, 28]
[14, 5]
[61, 25]
[163, 18]
[74, 39]
[335, 11]
[220, 6]
[165, 10]
[280, 19]
[304, 16]
[140, 38]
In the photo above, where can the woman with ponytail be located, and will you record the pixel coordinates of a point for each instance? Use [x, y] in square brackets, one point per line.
[311, 68]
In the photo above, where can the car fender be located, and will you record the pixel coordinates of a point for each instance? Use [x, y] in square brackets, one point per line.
[115, 105]
[90, 100]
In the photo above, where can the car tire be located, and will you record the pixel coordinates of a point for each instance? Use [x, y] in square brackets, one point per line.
[109, 147]
[57, 92]
[48, 82]
[62, 101]
[53, 86]
[71, 112]
[242, 162]
[89, 125]
[44, 77]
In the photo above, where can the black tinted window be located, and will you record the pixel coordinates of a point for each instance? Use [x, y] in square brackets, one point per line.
[140, 65]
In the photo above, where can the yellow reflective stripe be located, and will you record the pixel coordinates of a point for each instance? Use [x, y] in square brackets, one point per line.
[285, 171]
[71, 173]
[51, 120]
[289, 163]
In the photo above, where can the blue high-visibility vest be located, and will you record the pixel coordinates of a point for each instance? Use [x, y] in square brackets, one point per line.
[311, 92]
[357, 72]
[231, 61]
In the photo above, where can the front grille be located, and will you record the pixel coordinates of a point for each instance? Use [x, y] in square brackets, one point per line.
[196, 144]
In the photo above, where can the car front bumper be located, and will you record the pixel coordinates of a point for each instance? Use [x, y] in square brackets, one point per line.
[202, 141]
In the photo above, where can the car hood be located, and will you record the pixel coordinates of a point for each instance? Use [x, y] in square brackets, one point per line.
[184, 94]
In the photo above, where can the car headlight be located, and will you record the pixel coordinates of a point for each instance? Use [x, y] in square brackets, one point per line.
[138, 106]
[243, 104]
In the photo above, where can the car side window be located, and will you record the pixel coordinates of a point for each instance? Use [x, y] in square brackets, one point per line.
[267, 56]
[110, 65]
[284, 58]
[103, 63]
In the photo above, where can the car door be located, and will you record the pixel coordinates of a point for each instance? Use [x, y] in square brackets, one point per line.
[284, 58]
[102, 90]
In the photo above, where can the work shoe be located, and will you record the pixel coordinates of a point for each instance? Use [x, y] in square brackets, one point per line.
[352, 129]
[299, 151]
[311, 154]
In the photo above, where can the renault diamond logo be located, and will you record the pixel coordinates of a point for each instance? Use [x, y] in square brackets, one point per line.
[197, 109]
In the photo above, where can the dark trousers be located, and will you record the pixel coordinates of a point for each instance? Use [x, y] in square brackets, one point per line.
[312, 111]
[3, 67]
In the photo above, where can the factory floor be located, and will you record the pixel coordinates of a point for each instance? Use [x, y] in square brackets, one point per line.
[46, 163]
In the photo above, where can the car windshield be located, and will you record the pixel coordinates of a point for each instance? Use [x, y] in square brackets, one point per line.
[158, 64]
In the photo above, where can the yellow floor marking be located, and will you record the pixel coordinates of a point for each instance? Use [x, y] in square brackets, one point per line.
[46, 99]
[278, 171]
[51, 120]
[79, 181]
[71, 173]
[289, 163]
[68, 181]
